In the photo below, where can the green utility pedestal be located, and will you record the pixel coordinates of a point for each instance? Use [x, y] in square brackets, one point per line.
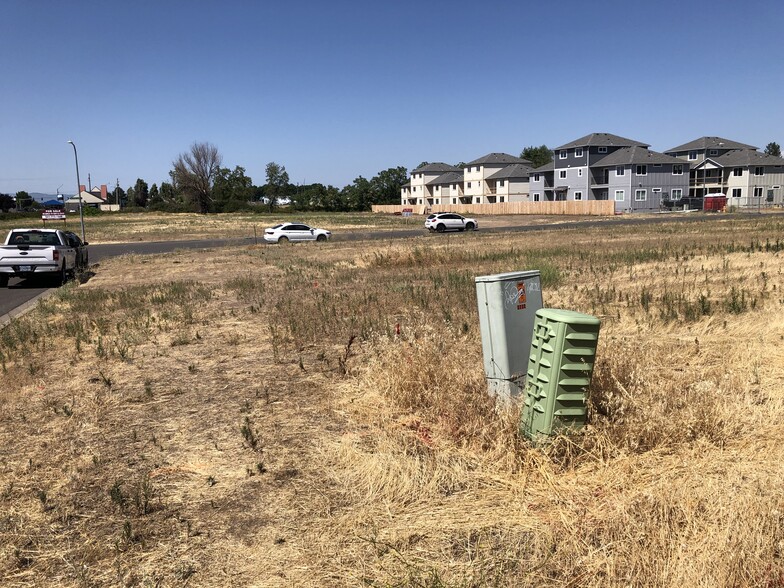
[563, 352]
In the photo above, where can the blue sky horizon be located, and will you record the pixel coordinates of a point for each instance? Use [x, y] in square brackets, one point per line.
[333, 91]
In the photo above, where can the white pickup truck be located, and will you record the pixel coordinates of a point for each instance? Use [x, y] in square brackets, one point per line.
[29, 253]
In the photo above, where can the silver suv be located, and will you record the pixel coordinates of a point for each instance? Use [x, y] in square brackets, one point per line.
[450, 221]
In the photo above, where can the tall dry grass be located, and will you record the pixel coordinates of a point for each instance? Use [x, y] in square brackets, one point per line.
[318, 416]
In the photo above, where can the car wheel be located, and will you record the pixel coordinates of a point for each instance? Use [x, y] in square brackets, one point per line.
[283, 240]
[470, 226]
[3, 281]
[63, 277]
[440, 228]
[321, 238]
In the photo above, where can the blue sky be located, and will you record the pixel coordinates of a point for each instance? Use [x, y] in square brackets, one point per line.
[335, 90]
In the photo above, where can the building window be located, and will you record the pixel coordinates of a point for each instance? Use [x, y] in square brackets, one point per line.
[714, 152]
[759, 171]
[468, 185]
[536, 177]
[454, 200]
[692, 155]
[620, 196]
[562, 174]
[757, 192]
[578, 195]
[501, 183]
[580, 172]
[501, 199]
[619, 171]
[477, 168]
[479, 184]
[437, 201]
[419, 201]
[737, 171]
[578, 152]
[677, 169]
[536, 197]
[641, 170]
[640, 195]
[737, 192]
[414, 188]
[602, 150]
[438, 188]
[677, 193]
[478, 199]
[562, 154]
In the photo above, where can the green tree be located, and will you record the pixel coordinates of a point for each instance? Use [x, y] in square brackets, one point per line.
[538, 156]
[23, 199]
[358, 195]
[130, 197]
[277, 183]
[194, 174]
[231, 188]
[6, 202]
[385, 186]
[423, 164]
[155, 195]
[773, 148]
[141, 193]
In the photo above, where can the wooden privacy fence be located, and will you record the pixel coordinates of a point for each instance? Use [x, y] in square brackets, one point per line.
[561, 207]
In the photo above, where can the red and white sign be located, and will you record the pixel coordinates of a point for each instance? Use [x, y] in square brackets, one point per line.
[408, 211]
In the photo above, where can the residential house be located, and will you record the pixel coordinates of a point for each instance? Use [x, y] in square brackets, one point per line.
[419, 189]
[746, 176]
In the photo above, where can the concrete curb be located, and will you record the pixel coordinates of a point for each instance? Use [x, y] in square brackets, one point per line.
[24, 308]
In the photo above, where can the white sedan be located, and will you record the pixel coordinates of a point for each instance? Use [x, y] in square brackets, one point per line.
[449, 221]
[285, 232]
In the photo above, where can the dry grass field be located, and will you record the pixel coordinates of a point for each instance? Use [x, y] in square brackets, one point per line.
[150, 226]
[316, 415]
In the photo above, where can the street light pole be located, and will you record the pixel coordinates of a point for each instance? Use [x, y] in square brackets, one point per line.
[78, 188]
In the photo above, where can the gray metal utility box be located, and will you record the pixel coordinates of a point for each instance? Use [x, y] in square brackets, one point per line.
[507, 311]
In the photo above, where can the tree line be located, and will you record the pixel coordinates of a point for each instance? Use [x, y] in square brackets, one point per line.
[199, 182]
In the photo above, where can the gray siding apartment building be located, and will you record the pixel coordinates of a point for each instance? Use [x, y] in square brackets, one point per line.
[602, 166]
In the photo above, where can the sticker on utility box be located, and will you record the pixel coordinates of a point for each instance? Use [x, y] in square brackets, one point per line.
[521, 300]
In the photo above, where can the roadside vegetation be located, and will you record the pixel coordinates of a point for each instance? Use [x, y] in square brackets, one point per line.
[316, 415]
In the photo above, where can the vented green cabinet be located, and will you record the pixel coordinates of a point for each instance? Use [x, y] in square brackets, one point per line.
[563, 353]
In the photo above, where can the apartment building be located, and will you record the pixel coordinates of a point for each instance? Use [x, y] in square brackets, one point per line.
[638, 179]
[746, 176]
[425, 185]
[479, 184]
[603, 166]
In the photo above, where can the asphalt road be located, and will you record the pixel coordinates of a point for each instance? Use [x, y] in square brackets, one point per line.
[21, 291]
